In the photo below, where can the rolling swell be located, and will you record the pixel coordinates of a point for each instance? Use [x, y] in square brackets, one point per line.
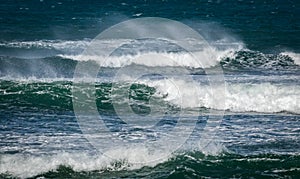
[64, 66]
[58, 95]
[240, 97]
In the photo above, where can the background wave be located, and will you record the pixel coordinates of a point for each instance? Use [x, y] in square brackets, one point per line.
[63, 66]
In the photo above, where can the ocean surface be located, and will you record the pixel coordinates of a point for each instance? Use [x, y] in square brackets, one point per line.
[150, 118]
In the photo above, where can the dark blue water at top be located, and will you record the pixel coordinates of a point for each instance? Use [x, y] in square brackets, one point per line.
[269, 25]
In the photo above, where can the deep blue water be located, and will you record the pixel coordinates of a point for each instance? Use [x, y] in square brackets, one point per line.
[260, 24]
[48, 127]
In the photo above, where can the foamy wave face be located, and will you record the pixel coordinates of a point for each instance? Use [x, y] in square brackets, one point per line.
[294, 56]
[125, 159]
[32, 165]
[231, 57]
[179, 59]
[264, 97]
[130, 49]
[239, 97]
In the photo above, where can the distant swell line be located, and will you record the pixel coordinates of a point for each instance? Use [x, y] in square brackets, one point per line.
[48, 44]
[231, 55]
[64, 65]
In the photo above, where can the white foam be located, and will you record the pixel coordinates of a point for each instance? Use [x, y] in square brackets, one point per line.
[123, 55]
[239, 97]
[30, 165]
[23, 166]
[208, 58]
[263, 97]
[294, 56]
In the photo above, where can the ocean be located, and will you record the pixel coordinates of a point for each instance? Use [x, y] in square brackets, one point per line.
[150, 89]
